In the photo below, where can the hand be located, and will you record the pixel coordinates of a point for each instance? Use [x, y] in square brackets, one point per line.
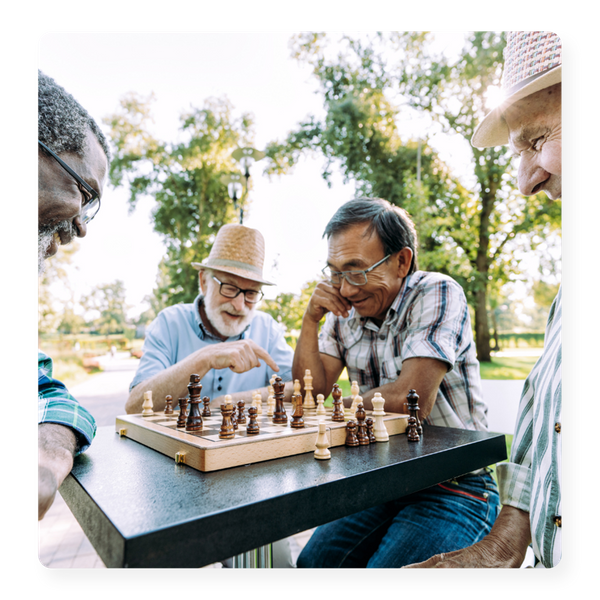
[327, 298]
[239, 356]
[47, 488]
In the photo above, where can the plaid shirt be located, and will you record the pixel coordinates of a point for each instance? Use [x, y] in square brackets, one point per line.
[531, 480]
[56, 405]
[428, 318]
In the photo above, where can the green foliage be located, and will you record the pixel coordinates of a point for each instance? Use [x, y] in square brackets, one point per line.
[470, 234]
[184, 178]
[108, 300]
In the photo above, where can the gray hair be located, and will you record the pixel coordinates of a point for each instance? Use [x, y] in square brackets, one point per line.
[62, 122]
[392, 224]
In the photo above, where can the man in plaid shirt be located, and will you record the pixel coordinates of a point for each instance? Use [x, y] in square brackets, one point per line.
[395, 328]
[72, 166]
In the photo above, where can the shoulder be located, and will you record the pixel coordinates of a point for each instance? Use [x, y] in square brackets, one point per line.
[263, 321]
[426, 282]
[174, 314]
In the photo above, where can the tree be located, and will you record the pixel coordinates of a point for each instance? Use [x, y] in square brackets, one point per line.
[184, 178]
[108, 300]
[470, 233]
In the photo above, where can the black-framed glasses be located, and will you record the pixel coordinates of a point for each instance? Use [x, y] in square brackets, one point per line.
[232, 291]
[90, 206]
[352, 277]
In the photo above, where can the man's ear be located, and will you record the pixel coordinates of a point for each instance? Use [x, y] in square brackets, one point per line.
[202, 279]
[404, 261]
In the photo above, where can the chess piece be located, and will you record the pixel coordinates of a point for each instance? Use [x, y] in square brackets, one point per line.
[271, 399]
[194, 419]
[411, 432]
[412, 401]
[355, 404]
[338, 410]
[257, 401]
[379, 429]
[168, 405]
[321, 405]
[279, 415]
[355, 395]
[227, 430]
[241, 418]
[206, 403]
[361, 434]
[252, 428]
[297, 389]
[147, 405]
[351, 439]
[309, 401]
[370, 431]
[322, 444]
[297, 421]
[182, 419]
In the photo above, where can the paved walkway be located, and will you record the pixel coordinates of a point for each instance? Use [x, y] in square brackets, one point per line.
[62, 543]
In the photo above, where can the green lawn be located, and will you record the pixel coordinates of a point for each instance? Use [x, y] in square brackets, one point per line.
[508, 367]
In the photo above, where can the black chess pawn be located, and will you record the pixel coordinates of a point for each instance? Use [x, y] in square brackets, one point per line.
[338, 409]
[351, 438]
[241, 417]
[227, 430]
[168, 405]
[252, 428]
[370, 430]
[411, 433]
[182, 419]
[206, 410]
[361, 434]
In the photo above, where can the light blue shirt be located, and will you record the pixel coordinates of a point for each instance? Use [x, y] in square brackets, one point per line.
[178, 331]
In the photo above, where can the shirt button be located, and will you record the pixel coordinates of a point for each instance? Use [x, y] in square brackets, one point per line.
[219, 388]
[382, 337]
[558, 521]
[220, 378]
[557, 427]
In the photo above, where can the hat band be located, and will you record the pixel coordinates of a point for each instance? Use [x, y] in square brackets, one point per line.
[521, 84]
[236, 264]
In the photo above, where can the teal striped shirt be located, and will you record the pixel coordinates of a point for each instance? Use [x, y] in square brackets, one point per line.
[531, 480]
[56, 405]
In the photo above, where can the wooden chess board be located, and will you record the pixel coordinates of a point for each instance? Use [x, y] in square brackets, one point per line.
[205, 451]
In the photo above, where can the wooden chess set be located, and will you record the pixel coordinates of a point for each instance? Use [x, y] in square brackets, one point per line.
[211, 440]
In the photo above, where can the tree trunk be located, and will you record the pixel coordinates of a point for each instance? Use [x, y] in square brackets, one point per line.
[482, 329]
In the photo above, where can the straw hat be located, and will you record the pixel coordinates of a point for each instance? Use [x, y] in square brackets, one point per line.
[532, 62]
[237, 250]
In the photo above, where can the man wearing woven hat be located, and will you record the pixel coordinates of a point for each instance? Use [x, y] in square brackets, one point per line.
[220, 336]
[529, 121]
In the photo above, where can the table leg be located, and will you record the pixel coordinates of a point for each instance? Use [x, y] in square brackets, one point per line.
[259, 558]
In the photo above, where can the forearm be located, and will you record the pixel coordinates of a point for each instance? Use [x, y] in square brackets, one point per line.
[173, 381]
[307, 356]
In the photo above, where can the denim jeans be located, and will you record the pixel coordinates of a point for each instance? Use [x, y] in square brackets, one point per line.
[442, 518]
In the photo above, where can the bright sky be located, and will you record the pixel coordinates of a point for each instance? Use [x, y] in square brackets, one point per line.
[256, 73]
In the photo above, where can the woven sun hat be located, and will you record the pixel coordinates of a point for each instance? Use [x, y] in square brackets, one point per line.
[237, 250]
[532, 62]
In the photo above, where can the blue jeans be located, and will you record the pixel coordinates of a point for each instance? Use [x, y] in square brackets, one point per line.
[442, 518]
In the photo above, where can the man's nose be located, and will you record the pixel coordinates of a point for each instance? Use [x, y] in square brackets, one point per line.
[80, 226]
[239, 302]
[347, 289]
[530, 174]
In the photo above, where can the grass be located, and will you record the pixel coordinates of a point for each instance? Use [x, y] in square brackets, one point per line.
[508, 367]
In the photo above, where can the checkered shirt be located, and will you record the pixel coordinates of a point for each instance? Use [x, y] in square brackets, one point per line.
[56, 405]
[428, 318]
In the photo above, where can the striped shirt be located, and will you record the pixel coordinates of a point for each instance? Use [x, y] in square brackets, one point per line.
[56, 405]
[531, 479]
[428, 318]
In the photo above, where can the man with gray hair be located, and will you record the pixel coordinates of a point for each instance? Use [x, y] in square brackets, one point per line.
[395, 328]
[73, 163]
[529, 121]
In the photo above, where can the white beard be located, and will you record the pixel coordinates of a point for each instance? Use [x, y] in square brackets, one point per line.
[213, 313]
[45, 237]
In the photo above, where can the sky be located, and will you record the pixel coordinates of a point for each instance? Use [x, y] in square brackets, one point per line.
[255, 71]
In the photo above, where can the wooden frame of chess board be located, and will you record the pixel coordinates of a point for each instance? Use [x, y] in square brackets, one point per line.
[205, 454]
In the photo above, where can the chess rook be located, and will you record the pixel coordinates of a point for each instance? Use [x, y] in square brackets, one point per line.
[227, 431]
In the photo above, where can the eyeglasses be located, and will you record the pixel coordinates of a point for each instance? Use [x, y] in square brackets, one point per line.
[232, 291]
[90, 206]
[352, 277]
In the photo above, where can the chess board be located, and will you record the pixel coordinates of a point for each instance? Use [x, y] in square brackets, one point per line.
[205, 451]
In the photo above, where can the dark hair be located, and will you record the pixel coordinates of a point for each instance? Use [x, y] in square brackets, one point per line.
[63, 123]
[392, 224]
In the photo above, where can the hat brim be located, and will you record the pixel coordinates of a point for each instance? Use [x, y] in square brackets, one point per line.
[240, 272]
[492, 131]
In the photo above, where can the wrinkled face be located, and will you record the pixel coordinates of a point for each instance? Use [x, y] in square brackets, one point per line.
[60, 197]
[534, 125]
[350, 250]
[228, 316]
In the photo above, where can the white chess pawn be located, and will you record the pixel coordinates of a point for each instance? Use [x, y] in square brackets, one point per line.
[257, 402]
[271, 402]
[354, 393]
[379, 429]
[322, 445]
[321, 405]
[147, 405]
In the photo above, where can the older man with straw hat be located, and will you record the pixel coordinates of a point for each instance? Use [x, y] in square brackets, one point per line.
[220, 336]
[529, 121]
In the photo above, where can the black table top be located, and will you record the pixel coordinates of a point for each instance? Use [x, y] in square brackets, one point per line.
[140, 509]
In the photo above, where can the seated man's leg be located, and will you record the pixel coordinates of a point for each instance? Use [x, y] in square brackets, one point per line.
[442, 518]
